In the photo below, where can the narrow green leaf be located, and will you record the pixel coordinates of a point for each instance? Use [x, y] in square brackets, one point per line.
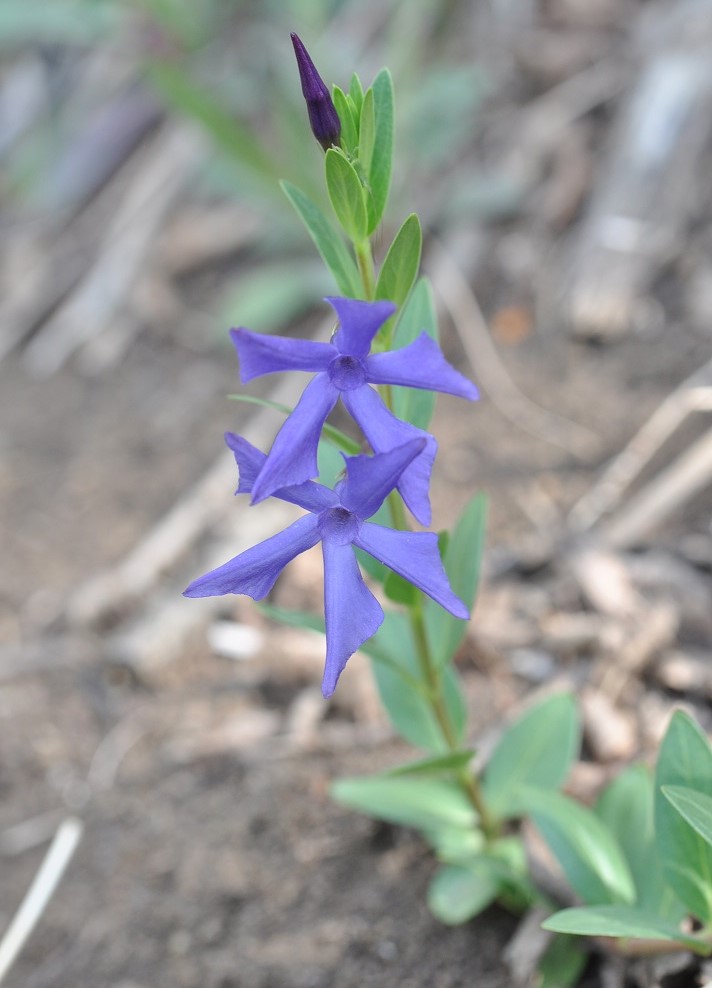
[293, 619]
[536, 750]
[400, 266]
[417, 316]
[346, 194]
[328, 242]
[454, 761]
[356, 92]
[349, 133]
[462, 564]
[626, 808]
[367, 133]
[399, 590]
[562, 963]
[685, 759]
[419, 802]
[621, 922]
[453, 845]
[410, 712]
[459, 892]
[233, 138]
[695, 807]
[330, 432]
[587, 851]
[382, 161]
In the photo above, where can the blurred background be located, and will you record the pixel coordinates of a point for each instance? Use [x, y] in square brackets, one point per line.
[558, 152]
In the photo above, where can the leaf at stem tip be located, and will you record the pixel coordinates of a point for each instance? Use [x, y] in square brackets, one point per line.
[349, 133]
[382, 160]
[346, 194]
[367, 132]
[328, 241]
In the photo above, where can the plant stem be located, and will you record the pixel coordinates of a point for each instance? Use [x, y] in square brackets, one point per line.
[364, 258]
[430, 674]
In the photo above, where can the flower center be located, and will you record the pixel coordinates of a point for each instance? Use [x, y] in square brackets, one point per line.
[347, 373]
[338, 525]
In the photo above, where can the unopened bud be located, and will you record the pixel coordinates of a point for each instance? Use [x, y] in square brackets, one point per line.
[324, 119]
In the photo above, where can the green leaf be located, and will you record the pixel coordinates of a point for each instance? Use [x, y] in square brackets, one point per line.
[346, 194]
[404, 697]
[537, 750]
[562, 963]
[621, 922]
[234, 139]
[685, 760]
[330, 432]
[453, 845]
[459, 892]
[422, 803]
[382, 161]
[400, 266]
[349, 133]
[587, 851]
[367, 133]
[695, 807]
[454, 761]
[356, 92]
[626, 808]
[399, 590]
[274, 294]
[462, 564]
[417, 316]
[328, 241]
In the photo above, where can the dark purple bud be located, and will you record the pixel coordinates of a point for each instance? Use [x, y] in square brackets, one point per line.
[324, 119]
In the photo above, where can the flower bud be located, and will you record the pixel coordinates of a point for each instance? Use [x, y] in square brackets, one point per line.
[324, 119]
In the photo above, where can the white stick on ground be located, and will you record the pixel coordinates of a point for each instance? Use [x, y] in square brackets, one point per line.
[40, 892]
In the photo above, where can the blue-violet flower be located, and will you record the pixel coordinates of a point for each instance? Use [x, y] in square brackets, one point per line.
[345, 369]
[337, 519]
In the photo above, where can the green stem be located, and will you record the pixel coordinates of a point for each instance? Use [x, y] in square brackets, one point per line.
[432, 679]
[364, 259]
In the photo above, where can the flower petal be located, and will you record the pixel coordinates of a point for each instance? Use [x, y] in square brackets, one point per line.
[250, 460]
[292, 458]
[416, 557]
[255, 571]
[384, 432]
[370, 479]
[352, 613]
[359, 323]
[421, 364]
[261, 354]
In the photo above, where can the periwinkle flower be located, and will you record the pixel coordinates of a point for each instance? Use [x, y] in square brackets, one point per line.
[345, 369]
[337, 519]
[324, 119]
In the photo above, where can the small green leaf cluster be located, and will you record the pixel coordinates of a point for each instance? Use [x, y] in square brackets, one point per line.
[652, 875]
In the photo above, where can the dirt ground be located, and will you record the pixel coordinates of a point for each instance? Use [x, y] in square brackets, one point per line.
[211, 853]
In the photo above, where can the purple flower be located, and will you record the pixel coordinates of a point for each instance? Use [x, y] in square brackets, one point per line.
[337, 519]
[324, 119]
[345, 369]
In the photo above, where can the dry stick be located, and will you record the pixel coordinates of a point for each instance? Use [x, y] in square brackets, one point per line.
[684, 478]
[694, 394]
[97, 298]
[40, 892]
[489, 370]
